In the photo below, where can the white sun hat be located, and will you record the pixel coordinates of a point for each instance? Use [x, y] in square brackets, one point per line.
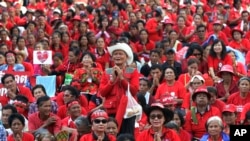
[124, 47]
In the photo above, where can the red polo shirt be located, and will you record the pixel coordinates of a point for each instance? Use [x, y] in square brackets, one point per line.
[148, 135]
[35, 123]
[198, 130]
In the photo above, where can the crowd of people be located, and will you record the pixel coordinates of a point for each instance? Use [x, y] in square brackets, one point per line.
[184, 65]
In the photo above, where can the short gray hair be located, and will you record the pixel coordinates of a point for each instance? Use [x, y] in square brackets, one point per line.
[214, 118]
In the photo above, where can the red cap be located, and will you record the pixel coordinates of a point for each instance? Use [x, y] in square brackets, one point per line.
[217, 22]
[168, 21]
[77, 18]
[219, 2]
[167, 100]
[229, 108]
[99, 113]
[201, 89]
[226, 68]
[237, 28]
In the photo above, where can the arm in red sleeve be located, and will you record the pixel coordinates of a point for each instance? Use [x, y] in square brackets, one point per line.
[151, 26]
[105, 86]
[134, 83]
[31, 121]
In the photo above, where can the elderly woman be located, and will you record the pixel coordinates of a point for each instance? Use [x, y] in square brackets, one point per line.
[227, 86]
[242, 97]
[198, 115]
[98, 120]
[11, 63]
[114, 82]
[17, 123]
[214, 127]
[158, 116]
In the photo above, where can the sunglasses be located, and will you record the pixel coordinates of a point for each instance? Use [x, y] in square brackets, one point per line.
[158, 116]
[98, 121]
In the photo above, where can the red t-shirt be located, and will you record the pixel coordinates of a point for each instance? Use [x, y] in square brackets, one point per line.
[34, 123]
[177, 90]
[25, 137]
[243, 45]
[215, 63]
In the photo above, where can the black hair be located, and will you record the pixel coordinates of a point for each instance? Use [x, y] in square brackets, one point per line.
[6, 76]
[73, 91]
[172, 125]
[201, 26]
[155, 51]
[172, 68]
[223, 52]
[244, 78]
[22, 98]
[14, 116]
[2, 54]
[180, 115]
[143, 30]
[125, 137]
[76, 51]
[37, 87]
[142, 101]
[10, 107]
[90, 54]
[212, 89]
[192, 61]
[59, 55]
[12, 29]
[74, 44]
[156, 66]
[30, 22]
[111, 119]
[146, 80]
[41, 100]
[193, 46]
[20, 38]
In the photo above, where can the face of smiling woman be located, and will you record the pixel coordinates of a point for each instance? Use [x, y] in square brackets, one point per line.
[156, 118]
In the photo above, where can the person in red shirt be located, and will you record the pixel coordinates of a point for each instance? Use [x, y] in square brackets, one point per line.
[241, 98]
[171, 87]
[157, 117]
[44, 118]
[238, 42]
[98, 120]
[227, 86]
[217, 31]
[144, 45]
[17, 123]
[154, 26]
[214, 101]
[70, 93]
[68, 123]
[201, 34]
[217, 58]
[8, 80]
[229, 116]
[198, 115]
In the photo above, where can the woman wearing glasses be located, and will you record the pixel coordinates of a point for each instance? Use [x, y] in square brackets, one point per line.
[98, 120]
[157, 117]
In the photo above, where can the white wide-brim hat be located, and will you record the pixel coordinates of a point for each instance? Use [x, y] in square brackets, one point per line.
[124, 47]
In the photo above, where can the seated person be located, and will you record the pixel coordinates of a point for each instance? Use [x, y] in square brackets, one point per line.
[39, 91]
[44, 119]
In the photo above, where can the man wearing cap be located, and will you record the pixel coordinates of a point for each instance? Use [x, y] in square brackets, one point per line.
[170, 54]
[217, 30]
[115, 82]
[229, 116]
[197, 117]
[154, 26]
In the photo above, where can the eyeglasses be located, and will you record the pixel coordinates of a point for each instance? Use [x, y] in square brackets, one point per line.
[158, 116]
[98, 121]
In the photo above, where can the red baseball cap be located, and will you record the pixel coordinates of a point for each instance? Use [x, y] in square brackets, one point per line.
[229, 108]
[201, 89]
